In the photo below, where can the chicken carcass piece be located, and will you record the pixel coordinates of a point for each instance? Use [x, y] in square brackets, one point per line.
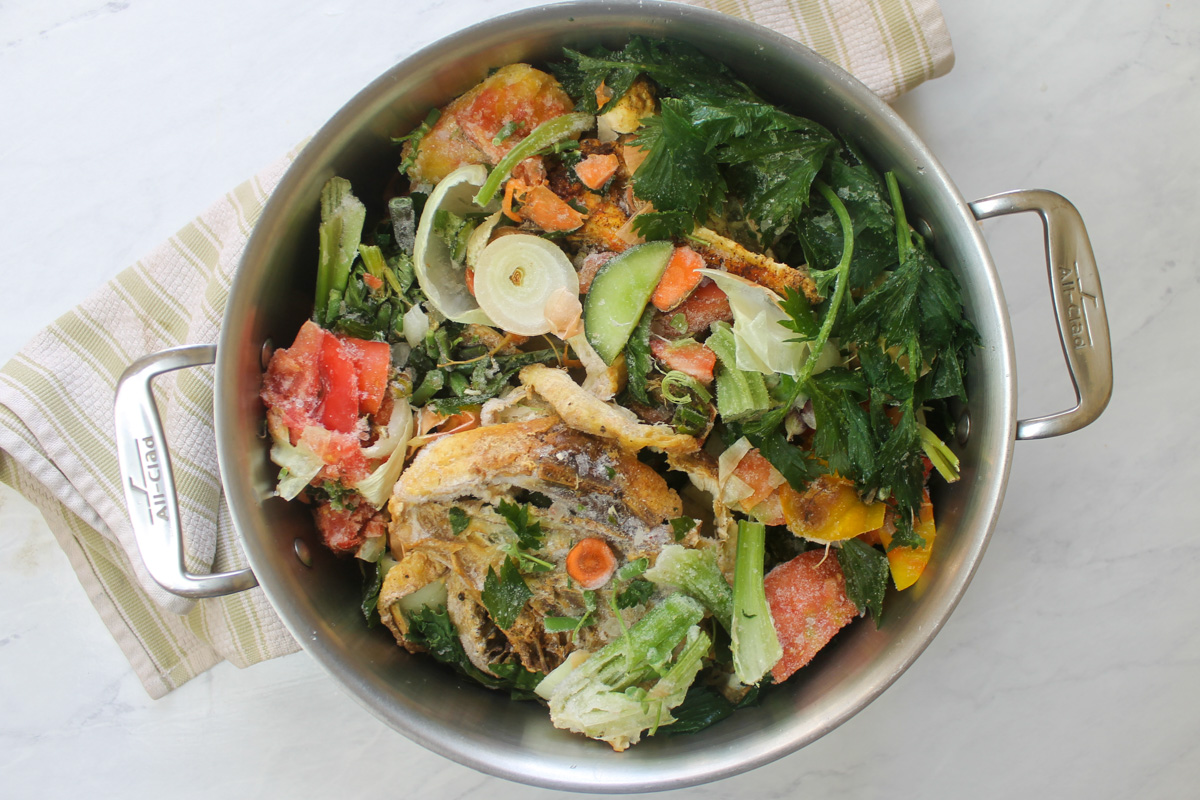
[585, 412]
[591, 487]
[514, 100]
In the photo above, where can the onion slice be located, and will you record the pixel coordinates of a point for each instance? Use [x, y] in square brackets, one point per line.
[516, 275]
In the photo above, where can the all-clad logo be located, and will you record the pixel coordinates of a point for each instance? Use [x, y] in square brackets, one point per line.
[1072, 299]
[152, 489]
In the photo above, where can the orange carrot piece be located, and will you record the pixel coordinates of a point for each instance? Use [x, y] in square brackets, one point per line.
[548, 211]
[691, 358]
[595, 170]
[680, 278]
[591, 563]
[510, 194]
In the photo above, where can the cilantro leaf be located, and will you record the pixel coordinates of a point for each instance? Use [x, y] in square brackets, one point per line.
[866, 572]
[504, 595]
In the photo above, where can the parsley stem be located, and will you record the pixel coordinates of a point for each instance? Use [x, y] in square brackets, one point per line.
[772, 420]
[839, 289]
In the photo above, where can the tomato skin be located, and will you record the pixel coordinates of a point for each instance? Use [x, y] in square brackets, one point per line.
[339, 381]
[704, 306]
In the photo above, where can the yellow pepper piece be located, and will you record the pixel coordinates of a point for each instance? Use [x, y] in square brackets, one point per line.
[907, 563]
[829, 510]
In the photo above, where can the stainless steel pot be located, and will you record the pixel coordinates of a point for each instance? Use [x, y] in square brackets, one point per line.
[317, 595]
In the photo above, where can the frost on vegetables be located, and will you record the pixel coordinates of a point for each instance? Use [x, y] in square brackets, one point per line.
[628, 394]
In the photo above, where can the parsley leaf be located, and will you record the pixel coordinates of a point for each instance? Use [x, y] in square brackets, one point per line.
[573, 624]
[636, 593]
[431, 628]
[866, 571]
[529, 534]
[773, 172]
[681, 527]
[800, 315]
[504, 595]
[459, 520]
[680, 175]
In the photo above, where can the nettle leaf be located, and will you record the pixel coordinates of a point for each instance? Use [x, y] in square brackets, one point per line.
[844, 436]
[774, 172]
[680, 174]
[866, 572]
[505, 595]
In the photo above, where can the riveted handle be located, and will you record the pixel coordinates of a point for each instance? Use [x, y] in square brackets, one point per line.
[1078, 306]
[149, 484]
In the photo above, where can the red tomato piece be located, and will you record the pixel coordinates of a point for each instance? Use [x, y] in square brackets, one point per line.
[808, 602]
[372, 361]
[759, 475]
[343, 531]
[339, 380]
[292, 385]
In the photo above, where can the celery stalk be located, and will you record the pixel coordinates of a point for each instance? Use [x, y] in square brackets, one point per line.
[755, 645]
[740, 393]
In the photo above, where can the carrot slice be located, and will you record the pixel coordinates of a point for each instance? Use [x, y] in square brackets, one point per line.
[510, 194]
[595, 170]
[681, 277]
[690, 358]
[548, 211]
[591, 563]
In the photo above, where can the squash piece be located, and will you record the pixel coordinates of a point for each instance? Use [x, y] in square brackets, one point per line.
[829, 510]
[907, 563]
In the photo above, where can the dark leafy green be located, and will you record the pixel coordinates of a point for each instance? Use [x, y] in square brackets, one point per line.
[504, 595]
[432, 629]
[866, 571]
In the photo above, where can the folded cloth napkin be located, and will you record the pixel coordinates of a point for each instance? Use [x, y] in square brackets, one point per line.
[56, 396]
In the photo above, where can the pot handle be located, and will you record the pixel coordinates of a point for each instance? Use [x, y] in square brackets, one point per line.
[1078, 306]
[149, 484]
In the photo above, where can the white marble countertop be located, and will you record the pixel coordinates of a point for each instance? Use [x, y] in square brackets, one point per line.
[1069, 670]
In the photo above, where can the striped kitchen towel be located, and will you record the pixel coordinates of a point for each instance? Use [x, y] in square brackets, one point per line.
[56, 395]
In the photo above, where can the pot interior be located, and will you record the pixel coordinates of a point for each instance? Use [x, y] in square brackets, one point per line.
[272, 295]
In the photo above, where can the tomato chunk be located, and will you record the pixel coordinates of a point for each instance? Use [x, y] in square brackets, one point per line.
[808, 602]
[372, 361]
[759, 475]
[292, 385]
[339, 380]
